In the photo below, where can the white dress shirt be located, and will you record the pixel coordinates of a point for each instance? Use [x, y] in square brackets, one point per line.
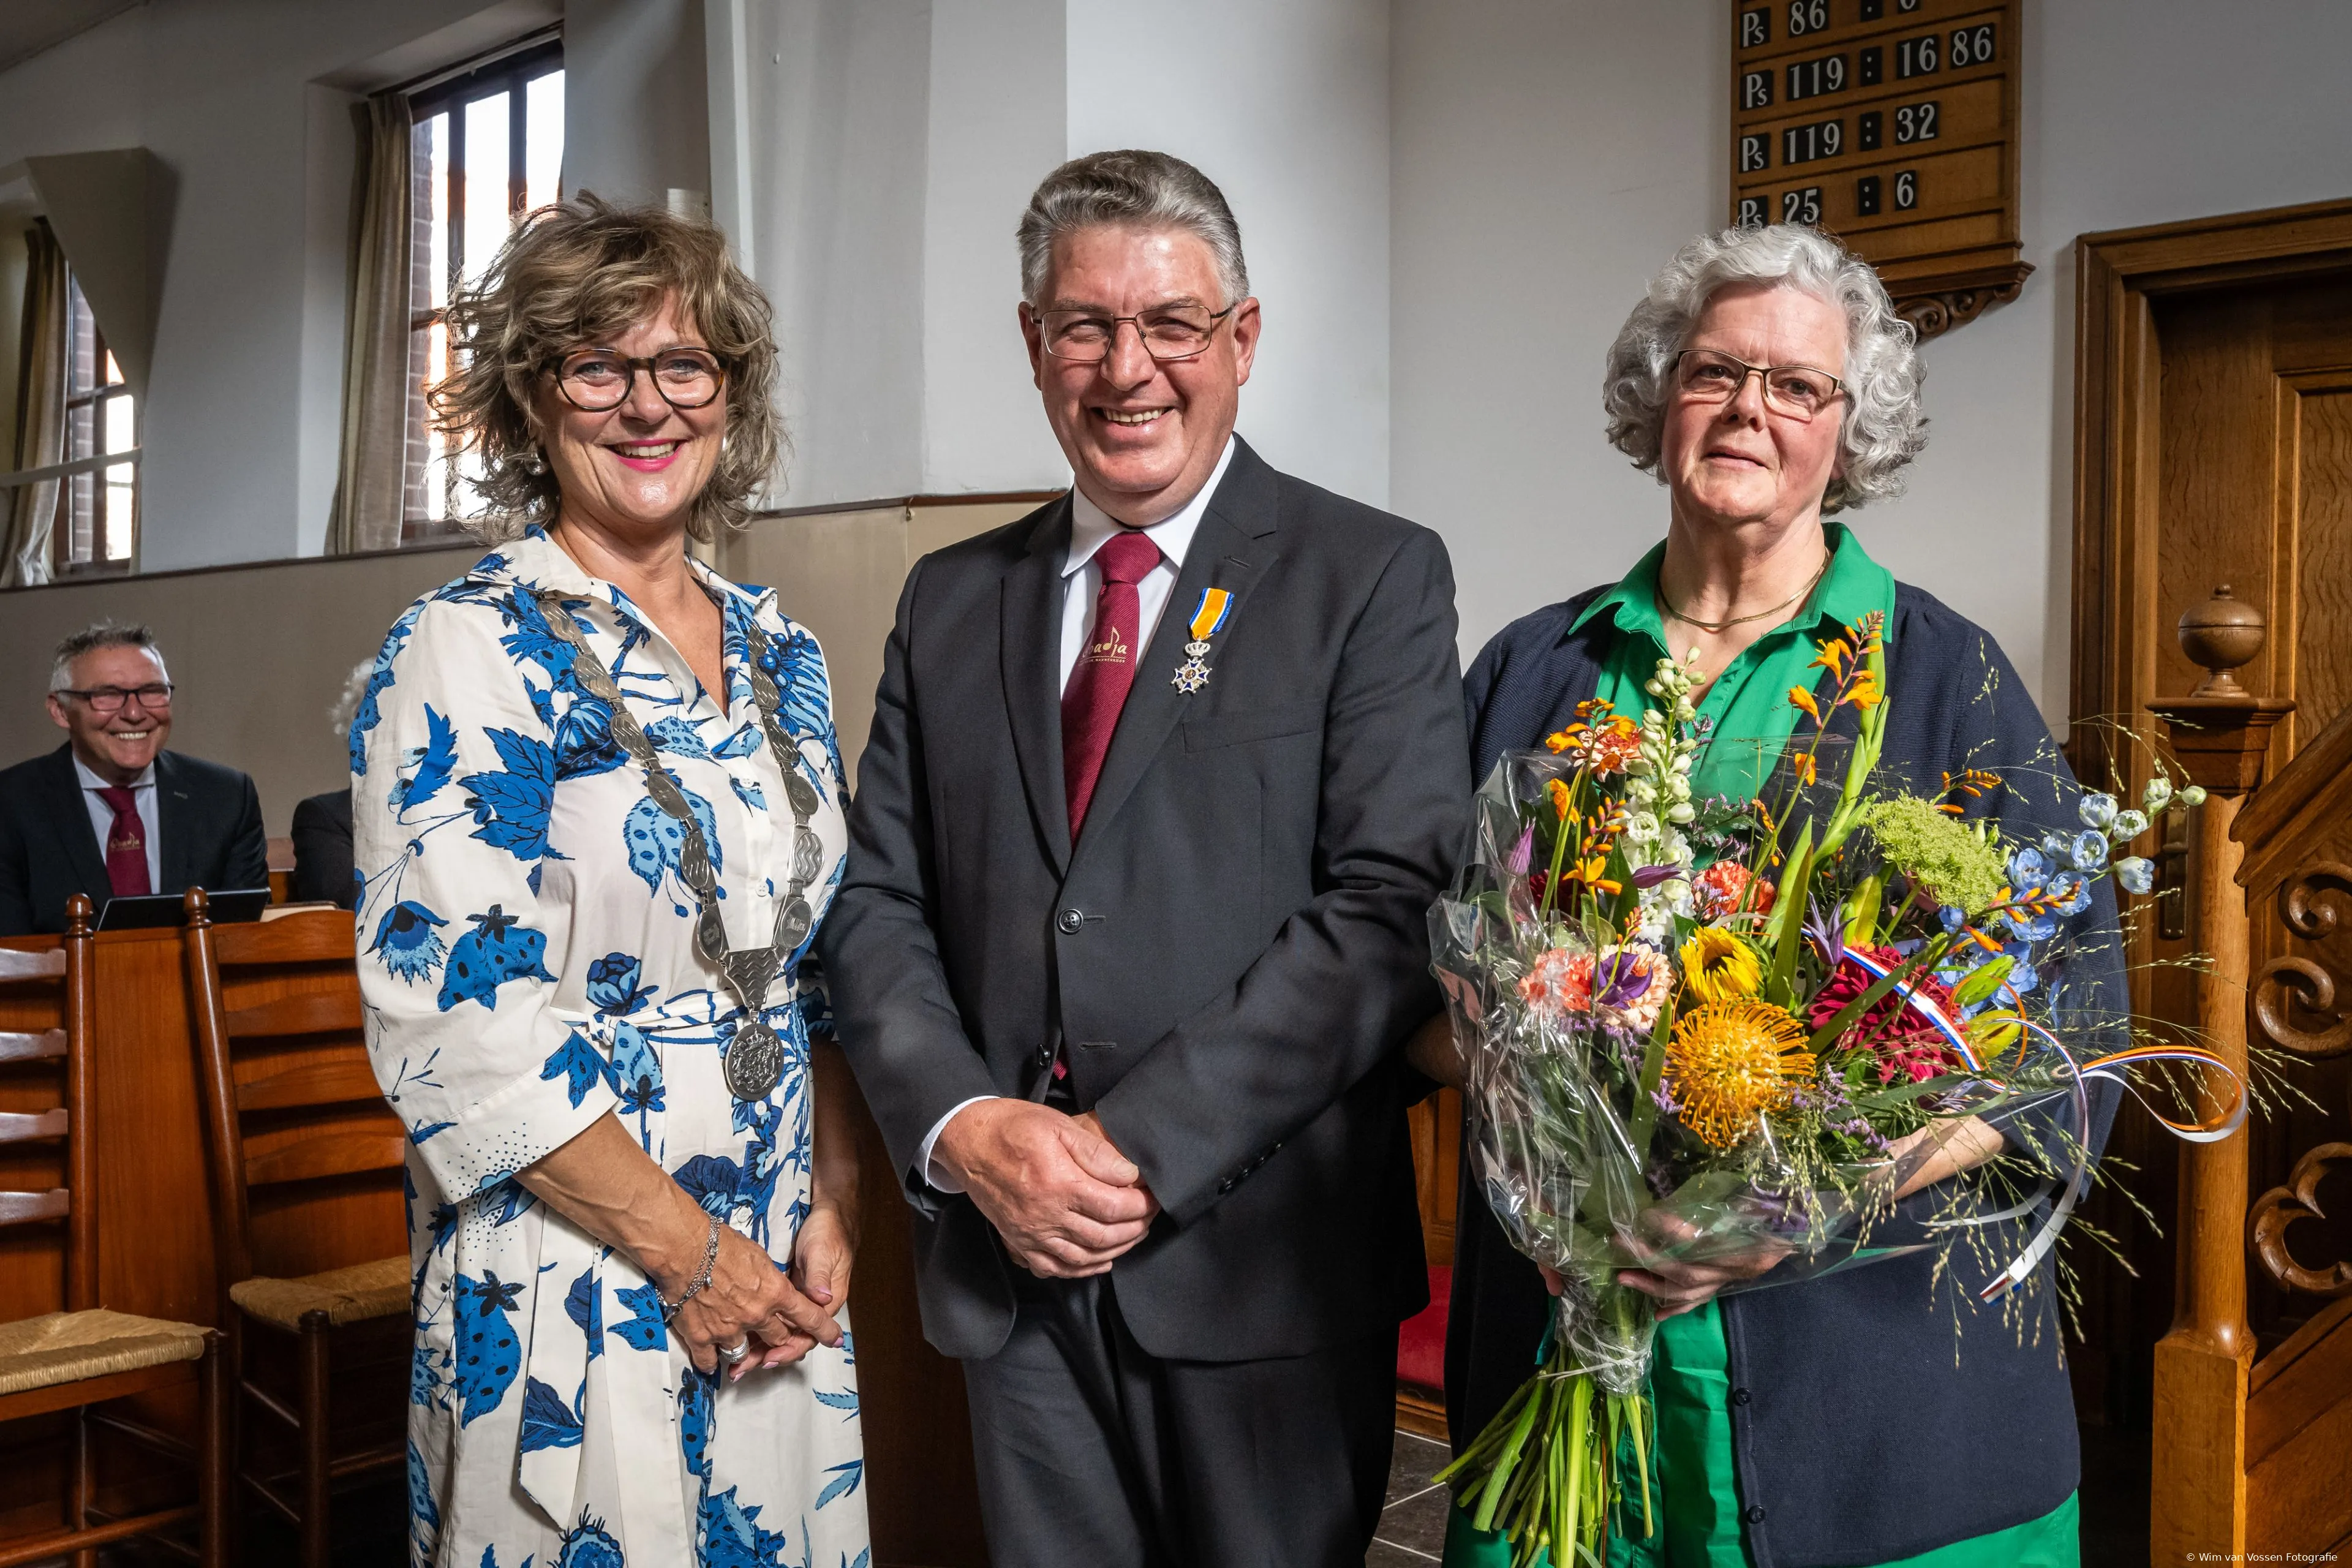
[102, 815]
[1090, 528]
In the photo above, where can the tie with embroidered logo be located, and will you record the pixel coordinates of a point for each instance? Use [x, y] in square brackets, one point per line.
[126, 845]
[1106, 667]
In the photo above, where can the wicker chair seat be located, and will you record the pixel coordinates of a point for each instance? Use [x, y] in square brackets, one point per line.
[71, 1347]
[353, 1295]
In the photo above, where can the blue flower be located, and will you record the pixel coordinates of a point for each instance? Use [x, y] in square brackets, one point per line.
[2031, 927]
[2074, 893]
[612, 983]
[2097, 811]
[588, 1545]
[2135, 874]
[2090, 852]
[584, 746]
[2027, 869]
[406, 941]
[2129, 824]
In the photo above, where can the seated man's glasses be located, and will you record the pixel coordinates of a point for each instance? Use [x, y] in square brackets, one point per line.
[1170, 332]
[111, 698]
[1792, 390]
[595, 381]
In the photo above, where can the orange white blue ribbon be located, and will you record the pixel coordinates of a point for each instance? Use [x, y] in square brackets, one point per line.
[1215, 604]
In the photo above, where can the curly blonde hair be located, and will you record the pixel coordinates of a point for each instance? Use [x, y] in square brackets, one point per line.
[575, 274]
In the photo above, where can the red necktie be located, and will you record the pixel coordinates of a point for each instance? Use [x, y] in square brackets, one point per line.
[126, 845]
[1106, 667]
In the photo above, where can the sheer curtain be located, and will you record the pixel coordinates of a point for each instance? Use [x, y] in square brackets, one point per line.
[368, 490]
[30, 510]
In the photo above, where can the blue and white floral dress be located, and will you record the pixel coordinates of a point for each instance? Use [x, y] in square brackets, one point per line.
[527, 963]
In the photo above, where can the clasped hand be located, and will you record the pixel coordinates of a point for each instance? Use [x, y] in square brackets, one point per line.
[1066, 1203]
[750, 1299]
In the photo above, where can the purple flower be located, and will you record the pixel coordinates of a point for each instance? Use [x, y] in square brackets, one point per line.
[1523, 853]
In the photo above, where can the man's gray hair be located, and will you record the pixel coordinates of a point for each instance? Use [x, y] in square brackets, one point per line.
[1129, 189]
[89, 639]
[1883, 428]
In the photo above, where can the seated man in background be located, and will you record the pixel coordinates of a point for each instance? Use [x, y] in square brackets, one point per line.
[112, 813]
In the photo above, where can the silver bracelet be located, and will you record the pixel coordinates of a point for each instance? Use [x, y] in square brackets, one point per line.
[701, 1281]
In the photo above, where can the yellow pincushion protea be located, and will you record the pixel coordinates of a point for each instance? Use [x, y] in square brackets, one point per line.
[1729, 1060]
[1720, 967]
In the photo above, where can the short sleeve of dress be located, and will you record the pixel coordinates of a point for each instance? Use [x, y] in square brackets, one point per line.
[453, 780]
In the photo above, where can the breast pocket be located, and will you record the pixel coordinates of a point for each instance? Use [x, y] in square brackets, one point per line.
[1242, 729]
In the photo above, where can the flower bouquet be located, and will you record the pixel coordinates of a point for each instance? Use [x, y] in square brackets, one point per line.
[1742, 1063]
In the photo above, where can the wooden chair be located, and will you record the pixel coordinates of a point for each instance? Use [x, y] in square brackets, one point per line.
[85, 1357]
[291, 1105]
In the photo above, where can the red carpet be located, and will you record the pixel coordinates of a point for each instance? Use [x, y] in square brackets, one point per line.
[1421, 1345]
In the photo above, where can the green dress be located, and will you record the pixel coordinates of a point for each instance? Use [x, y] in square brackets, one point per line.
[1696, 1492]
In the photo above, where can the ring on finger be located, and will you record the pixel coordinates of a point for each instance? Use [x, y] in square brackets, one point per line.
[731, 1354]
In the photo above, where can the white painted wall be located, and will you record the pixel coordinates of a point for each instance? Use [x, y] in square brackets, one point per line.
[246, 105]
[999, 121]
[1550, 153]
[635, 121]
[1286, 107]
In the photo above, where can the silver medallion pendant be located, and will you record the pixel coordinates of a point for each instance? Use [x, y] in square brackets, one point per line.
[1192, 675]
[755, 1061]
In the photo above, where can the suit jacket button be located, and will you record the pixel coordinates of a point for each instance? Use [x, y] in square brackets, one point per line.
[1740, 1396]
[1070, 921]
[1755, 1514]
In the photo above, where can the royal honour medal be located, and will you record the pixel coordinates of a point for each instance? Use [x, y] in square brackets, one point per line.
[1193, 674]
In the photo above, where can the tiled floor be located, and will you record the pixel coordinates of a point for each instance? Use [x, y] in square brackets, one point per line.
[1413, 1524]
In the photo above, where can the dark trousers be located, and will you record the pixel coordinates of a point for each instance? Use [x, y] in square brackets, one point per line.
[1095, 1454]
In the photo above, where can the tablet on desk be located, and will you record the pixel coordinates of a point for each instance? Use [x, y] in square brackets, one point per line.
[148, 910]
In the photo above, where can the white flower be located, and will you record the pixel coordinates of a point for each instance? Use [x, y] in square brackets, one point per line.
[2157, 794]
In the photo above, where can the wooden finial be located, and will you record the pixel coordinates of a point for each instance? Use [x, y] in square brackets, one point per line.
[2220, 732]
[2221, 636]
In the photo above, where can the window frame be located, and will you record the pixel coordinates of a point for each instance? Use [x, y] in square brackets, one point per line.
[510, 71]
[64, 559]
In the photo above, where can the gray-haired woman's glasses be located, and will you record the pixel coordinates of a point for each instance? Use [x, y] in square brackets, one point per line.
[595, 381]
[1171, 333]
[1792, 390]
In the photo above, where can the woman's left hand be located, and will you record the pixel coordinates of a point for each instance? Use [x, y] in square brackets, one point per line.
[822, 1255]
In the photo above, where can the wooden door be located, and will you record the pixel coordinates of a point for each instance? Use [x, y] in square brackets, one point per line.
[2214, 446]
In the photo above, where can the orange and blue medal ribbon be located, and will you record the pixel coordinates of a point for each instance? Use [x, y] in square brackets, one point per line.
[1208, 619]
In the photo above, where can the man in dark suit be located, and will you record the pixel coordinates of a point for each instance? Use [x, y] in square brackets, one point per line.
[111, 812]
[1161, 783]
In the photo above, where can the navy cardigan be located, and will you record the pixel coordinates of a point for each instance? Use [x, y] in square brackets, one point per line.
[1876, 1413]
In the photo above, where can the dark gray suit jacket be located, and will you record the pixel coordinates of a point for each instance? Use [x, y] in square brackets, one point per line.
[1235, 951]
[208, 816]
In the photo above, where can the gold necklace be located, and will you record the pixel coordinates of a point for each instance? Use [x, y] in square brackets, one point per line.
[1716, 628]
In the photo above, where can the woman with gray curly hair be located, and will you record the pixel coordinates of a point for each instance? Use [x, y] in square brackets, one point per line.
[1767, 381]
[597, 804]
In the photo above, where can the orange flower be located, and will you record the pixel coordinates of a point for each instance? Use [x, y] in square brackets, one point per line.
[1559, 793]
[1802, 700]
[1727, 887]
[1561, 983]
[1729, 1062]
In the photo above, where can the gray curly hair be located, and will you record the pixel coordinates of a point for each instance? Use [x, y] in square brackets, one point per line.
[1883, 428]
[1129, 189]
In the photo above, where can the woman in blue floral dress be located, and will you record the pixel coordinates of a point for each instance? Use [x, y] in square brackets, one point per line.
[598, 811]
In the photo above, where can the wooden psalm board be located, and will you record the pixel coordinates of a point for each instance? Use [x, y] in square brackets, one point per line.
[1892, 124]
